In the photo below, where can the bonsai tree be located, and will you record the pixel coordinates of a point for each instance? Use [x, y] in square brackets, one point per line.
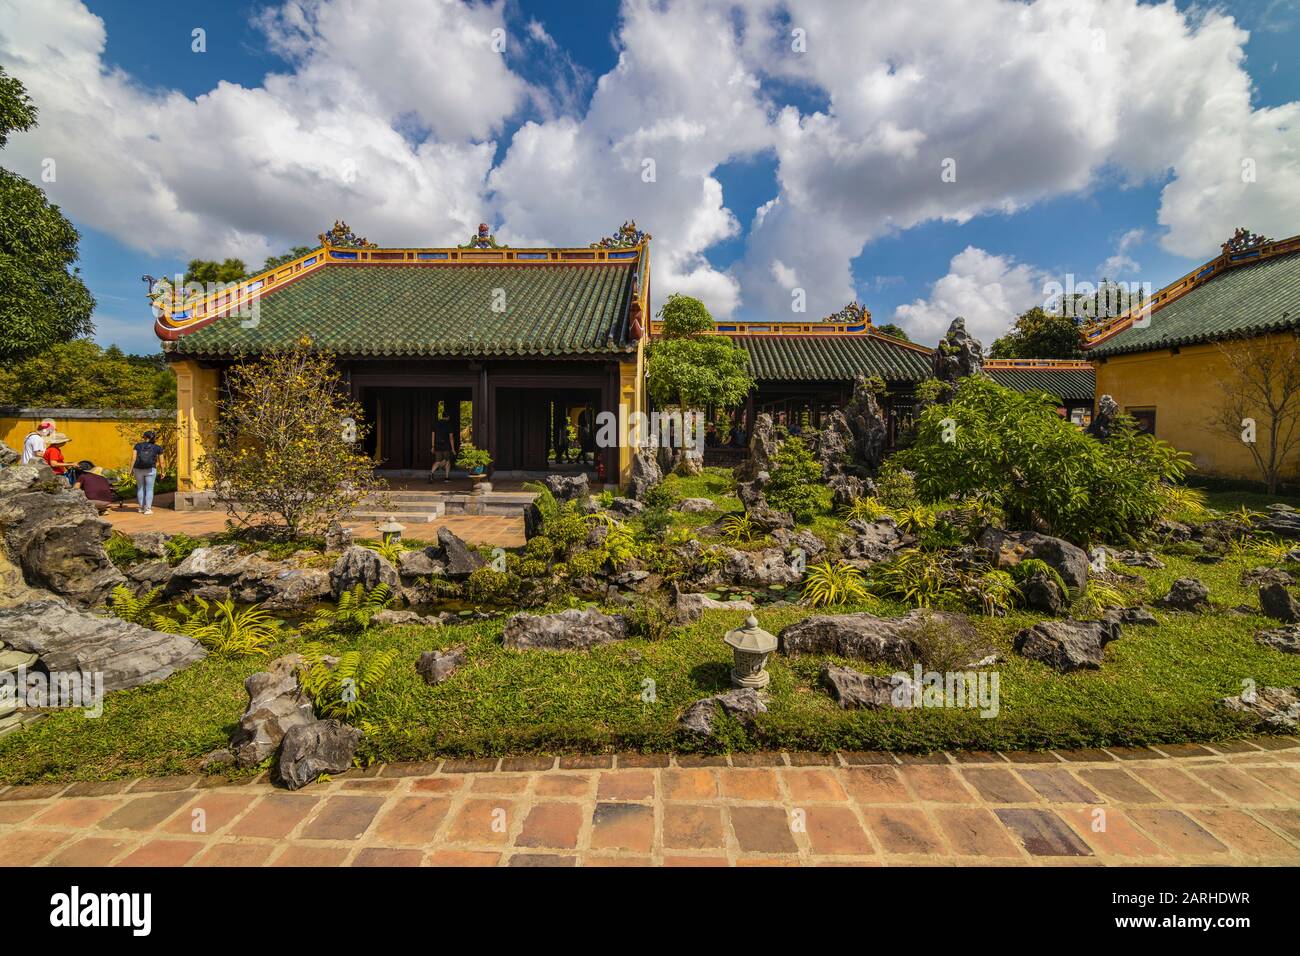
[688, 367]
[1015, 450]
[287, 453]
[473, 460]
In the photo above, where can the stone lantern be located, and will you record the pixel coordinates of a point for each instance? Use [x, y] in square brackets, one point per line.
[751, 646]
[391, 530]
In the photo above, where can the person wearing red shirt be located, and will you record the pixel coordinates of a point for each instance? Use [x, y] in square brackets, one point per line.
[54, 453]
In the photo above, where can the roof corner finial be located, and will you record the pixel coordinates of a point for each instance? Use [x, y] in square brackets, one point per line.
[1243, 240]
[340, 236]
[627, 237]
[855, 313]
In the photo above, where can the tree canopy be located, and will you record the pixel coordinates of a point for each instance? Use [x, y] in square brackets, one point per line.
[1039, 333]
[689, 368]
[42, 298]
[893, 331]
[81, 374]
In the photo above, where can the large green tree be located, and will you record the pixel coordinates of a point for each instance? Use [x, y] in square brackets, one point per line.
[892, 330]
[1039, 333]
[42, 298]
[81, 374]
[689, 368]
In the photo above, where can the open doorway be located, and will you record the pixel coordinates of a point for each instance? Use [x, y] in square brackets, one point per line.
[403, 421]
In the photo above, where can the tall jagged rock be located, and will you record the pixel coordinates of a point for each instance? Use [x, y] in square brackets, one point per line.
[869, 426]
[957, 355]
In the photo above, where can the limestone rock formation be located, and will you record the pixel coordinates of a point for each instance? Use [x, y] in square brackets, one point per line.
[1067, 645]
[566, 631]
[309, 750]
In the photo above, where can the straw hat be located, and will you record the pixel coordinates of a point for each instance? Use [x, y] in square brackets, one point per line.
[58, 438]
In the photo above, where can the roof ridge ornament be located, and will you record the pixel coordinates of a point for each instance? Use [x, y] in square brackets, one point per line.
[341, 237]
[1243, 240]
[628, 235]
[483, 239]
[852, 314]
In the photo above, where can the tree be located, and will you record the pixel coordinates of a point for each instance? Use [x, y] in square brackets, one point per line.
[1039, 333]
[1046, 474]
[892, 330]
[274, 262]
[1260, 403]
[287, 455]
[42, 298]
[81, 374]
[205, 271]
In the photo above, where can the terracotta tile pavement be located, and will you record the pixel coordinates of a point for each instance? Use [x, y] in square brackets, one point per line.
[1238, 804]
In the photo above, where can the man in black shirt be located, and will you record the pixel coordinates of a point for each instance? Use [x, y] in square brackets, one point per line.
[444, 447]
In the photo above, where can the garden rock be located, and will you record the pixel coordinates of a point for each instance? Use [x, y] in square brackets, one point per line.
[309, 750]
[566, 631]
[833, 444]
[644, 473]
[845, 489]
[763, 445]
[405, 616]
[768, 519]
[870, 427]
[758, 568]
[803, 540]
[13, 589]
[461, 559]
[359, 565]
[567, 487]
[1257, 577]
[296, 589]
[957, 355]
[1172, 530]
[276, 704]
[436, 666]
[744, 704]
[854, 690]
[1067, 645]
[8, 456]
[688, 608]
[874, 541]
[152, 543]
[1282, 521]
[1276, 602]
[1041, 593]
[1186, 594]
[533, 521]
[1276, 708]
[750, 493]
[1138, 559]
[1285, 639]
[337, 537]
[693, 506]
[55, 535]
[630, 507]
[1007, 548]
[1136, 616]
[420, 563]
[865, 637]
[68, 639]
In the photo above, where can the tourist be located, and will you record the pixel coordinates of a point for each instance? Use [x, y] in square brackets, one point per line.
[737, 436]
[53, 454]
[711, 439]
[94, 485]
[586, 437]
[145, 468]
[34, 443]
[444, 447]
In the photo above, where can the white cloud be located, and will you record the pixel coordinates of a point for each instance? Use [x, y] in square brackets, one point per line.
[989, 291]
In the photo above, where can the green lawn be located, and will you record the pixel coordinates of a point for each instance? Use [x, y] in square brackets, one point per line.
[1158, 684]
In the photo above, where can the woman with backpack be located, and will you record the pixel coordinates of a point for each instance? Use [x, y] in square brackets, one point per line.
[145, 469]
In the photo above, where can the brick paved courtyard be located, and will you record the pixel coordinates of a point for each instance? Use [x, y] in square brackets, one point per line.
[1231, 804]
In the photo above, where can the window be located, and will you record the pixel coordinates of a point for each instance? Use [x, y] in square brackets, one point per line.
[1146, 419]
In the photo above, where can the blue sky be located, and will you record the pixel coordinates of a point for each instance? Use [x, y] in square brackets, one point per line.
[1114, 216]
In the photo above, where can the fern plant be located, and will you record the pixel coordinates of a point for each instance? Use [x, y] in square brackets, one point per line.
[354, 611]
[390, 549]
[123, 604]
[1028, 567]
[1096, 597]
[994, 590]
[340, 689]
[738, 528]
[828, 584]
[224, 627]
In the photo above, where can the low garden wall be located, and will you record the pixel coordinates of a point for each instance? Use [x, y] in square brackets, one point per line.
[98, 434]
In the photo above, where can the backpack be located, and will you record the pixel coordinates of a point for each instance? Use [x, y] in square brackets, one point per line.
[146, 456]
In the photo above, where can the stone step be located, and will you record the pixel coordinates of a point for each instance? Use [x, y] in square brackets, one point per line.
[11, 723]
[11, 660]
[8, 705]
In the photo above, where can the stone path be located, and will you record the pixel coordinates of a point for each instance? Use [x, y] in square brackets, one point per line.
[1233, 804]
[499, 531]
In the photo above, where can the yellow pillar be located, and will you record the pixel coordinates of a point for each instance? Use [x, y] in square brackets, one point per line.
[196, 419]
[629, 397]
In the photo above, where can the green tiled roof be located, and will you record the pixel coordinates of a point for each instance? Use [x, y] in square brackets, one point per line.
[400, 310]
[1069, 384]
[1247, 300]
[831, 358]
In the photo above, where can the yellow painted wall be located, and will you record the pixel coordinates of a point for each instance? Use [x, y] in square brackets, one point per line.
[196, 418]
[1184, 390]
[95, 435]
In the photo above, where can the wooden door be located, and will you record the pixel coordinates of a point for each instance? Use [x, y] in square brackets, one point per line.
[523, 426]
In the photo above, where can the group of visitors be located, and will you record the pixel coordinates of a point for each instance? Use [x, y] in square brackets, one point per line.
[46, 444]
[735, 437]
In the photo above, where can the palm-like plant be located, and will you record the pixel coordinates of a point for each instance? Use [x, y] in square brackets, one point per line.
[224, 627]
[867, 508]
[914, 519]
[390, 549]
[829, 584]
[995, 591]
[1096, 597]
[738, 528]
[915, 576]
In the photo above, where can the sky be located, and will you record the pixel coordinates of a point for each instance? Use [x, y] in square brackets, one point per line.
[956, 157]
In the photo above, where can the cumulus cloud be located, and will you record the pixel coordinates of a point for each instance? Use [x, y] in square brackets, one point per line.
[388, 113]
[988, 290]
